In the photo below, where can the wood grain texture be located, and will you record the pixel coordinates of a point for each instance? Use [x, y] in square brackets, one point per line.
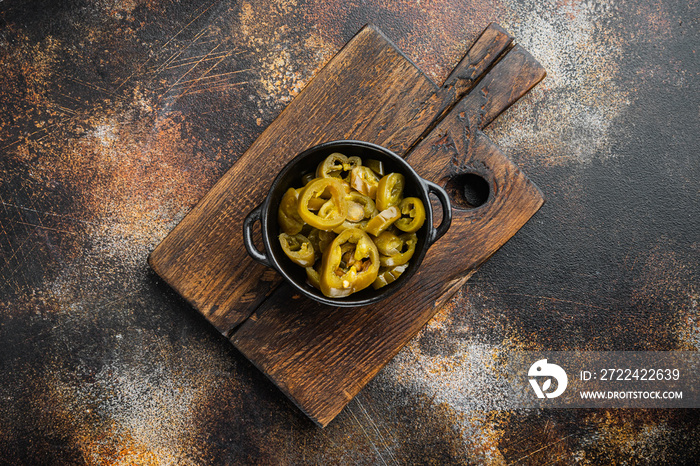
[368, 91]
[489, 47]
[511, 78]
[321, 356]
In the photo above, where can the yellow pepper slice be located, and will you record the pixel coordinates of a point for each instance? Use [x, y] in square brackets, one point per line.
[369, 209]
[346, 225]
[288, 213]
[334, 210]
[298, 248]
[349, 265]
[388, 243]
[320, 239]
[412, 215]
[388, 275]
[336, 165]
[404, 254]
[390, 190]
[377, 166]
[313, 277]
[383, 220]
[363, 180]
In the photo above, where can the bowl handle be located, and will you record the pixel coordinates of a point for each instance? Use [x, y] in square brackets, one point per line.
[253, 217]
[435, 234]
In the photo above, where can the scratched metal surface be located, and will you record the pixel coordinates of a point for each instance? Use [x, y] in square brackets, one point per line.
[116, 117]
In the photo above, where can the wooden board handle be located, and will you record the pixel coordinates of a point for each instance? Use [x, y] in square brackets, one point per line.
[486, 51]
[489, 48]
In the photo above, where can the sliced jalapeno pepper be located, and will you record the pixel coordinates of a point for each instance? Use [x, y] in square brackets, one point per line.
[412, 215]
[349, 225]
[307, 178]
[353, 162]
[288, 213]
[388, 243]
[331, 166]
[298, 248]
[350, 264]
[388, 275]
[408, 247]
[333, 211]
[376, 166]
[364, 181]
[390, 190]
[346, 225]
[315, 203]
[360, 209]
[320, 239]
[367, 206]
[313, 277]
[383, 220]
[327, 209]
[336, 165]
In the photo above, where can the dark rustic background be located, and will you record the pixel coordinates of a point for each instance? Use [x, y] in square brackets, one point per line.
[117, 116]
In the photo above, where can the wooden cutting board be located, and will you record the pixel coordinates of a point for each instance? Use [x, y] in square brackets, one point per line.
[322, 356]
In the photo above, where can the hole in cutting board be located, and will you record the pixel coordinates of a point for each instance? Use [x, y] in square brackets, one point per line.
[468, 190]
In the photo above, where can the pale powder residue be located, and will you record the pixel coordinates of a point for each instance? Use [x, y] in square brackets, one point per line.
[665, 279]
[579, 100]
[142, 404]
[467, 380]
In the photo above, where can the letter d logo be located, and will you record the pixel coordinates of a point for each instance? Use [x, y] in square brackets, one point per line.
[542, 369]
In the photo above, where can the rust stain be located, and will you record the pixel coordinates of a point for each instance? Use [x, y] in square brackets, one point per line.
[117, 117]
[284, 63]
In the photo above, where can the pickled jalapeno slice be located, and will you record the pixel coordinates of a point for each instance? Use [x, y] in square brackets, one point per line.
[383, 220]
[412, 215]
[365, 181]
[376, 166]
[313, 277]
[333, 211]
[390, 191]
[320, 239]
[369, 209]
[404, 252]
[288, 213]
[298, 248]
[349, 265]
[388, 275]
[337, 165]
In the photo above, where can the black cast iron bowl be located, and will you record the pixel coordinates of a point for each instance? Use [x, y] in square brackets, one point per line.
[306, 162]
